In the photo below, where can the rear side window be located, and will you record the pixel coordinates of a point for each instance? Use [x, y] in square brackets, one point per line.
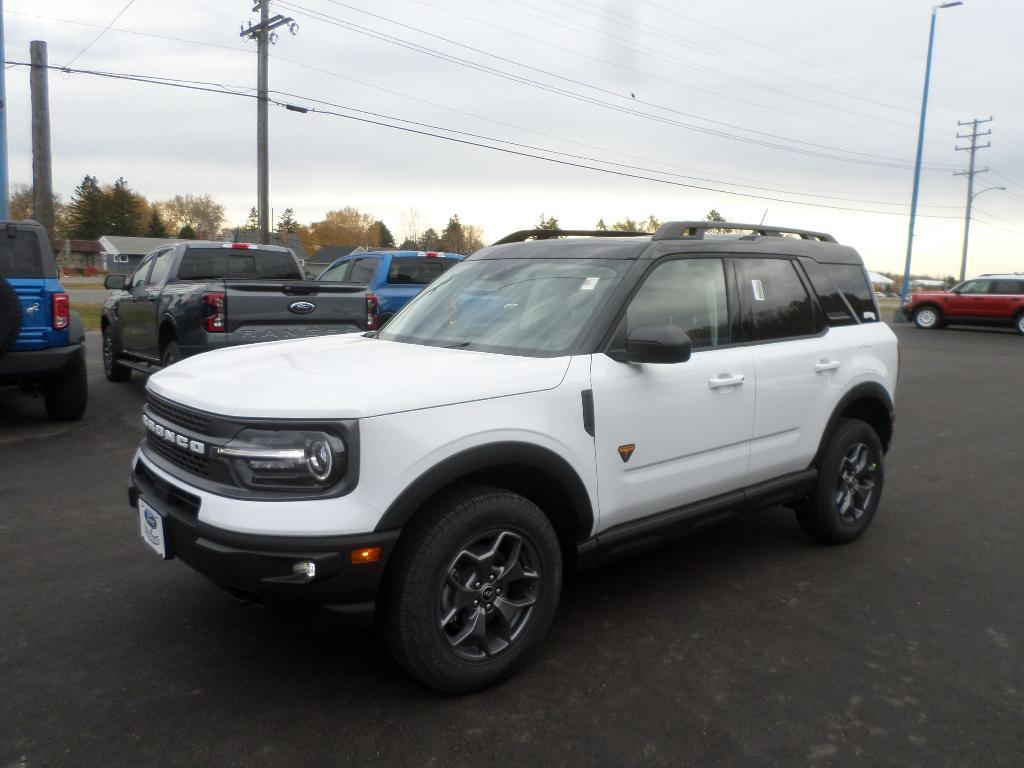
[829, 295]
[1007, 287]
[363, 271]
[249, 263]
[779, 304]
[852, 280]
[19, 255]
[417, 270]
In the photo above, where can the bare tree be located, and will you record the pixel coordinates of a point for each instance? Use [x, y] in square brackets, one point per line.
[201, 213]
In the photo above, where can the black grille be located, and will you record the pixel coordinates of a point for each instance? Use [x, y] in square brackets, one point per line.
[167, 493]
[181, 457]
[196, 421]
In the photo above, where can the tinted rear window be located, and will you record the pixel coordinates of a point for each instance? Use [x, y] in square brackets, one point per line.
[852, 280]
[829, 295]
[20, 256]
[1007, 286]
[251, 263]
[418, 270]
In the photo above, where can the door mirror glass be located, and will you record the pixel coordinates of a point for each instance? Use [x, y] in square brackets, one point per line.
[114, 282]
[657, 344]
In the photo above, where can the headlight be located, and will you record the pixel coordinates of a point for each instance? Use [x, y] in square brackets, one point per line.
[288, 460]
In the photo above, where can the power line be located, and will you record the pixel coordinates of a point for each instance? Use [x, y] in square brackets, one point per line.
[102, 32]
[418, 131]
[434, 53]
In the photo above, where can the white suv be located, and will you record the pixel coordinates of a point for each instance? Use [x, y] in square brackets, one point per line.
[550, 402]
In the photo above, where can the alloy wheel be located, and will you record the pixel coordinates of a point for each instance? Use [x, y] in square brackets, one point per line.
[926, 318]
[856, 483]
[108, 354]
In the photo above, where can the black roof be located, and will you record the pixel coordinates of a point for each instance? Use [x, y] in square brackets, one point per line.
[672, 237]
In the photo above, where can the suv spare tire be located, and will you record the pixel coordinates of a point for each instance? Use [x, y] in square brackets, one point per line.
[10, 316]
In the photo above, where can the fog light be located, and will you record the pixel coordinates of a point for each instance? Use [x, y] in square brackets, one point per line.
[307, 567]
[365, 555]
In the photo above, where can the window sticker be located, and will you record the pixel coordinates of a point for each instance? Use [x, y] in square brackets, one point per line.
[870, 316]
[590, 284]
[758, 290]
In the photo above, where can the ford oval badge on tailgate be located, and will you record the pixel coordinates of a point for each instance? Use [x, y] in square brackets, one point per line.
[301, 307]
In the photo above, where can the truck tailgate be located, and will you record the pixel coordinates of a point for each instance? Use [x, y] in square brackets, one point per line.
[273, 310]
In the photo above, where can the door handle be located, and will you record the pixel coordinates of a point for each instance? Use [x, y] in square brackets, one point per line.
[726, 380]
[827, 365]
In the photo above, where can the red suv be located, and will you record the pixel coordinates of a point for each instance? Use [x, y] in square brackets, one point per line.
[985, 300]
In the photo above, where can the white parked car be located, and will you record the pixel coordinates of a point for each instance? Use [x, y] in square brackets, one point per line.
[545, 404]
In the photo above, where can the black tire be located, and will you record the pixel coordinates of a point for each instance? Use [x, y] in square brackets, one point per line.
[67, 395]
[1018, 323]
[170, 355]
[928, 318]
[842, 505]
[112, 369]
[10, 316]
[447, 576]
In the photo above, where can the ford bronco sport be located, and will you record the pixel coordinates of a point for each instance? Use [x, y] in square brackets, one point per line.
[985, 300]
[546, 403]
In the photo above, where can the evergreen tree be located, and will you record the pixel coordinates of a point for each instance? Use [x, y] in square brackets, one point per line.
[286, 223]
[430, 240]
[547, 223]
[253, 222]
[409, 245]
[187, 233]
[453, 239]
[124, 210]
[156, 226]
[387, 240]
[601, 226]
[87, 217]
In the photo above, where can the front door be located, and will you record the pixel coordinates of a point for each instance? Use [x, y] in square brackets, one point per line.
[969, 300]
[669, 435]
[132, 310]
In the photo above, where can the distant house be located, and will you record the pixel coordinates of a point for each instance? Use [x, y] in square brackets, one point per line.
[121, 254]
[326, 254]
[76, 255]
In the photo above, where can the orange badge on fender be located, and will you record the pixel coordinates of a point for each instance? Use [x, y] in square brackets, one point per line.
[625, 451]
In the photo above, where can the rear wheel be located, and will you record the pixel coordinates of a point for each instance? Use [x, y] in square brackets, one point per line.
[927, 318]
[472, 589]
[112, 369]
[67, 395]
[850, 479]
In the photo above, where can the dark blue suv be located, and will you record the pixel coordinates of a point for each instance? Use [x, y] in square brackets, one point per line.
[392, 277]
[42, 342]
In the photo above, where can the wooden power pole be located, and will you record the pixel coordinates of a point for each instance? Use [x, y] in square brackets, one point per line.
[42, 164]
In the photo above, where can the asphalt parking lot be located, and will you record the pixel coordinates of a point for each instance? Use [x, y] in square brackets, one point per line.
[744, 646]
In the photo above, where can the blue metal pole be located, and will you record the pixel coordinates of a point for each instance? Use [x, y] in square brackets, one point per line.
[917, 163]
[4, 187]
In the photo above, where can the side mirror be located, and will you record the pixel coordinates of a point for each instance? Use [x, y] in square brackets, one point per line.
[115, 282]
[656, 344]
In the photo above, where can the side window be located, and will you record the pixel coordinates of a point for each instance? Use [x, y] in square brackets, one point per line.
[1007, 287]
[688, 293]
[853, 281]
[830, 296]
[338, 273]
[974, 287]
[160, 266]
[139, 278]
[363, 270]
[779, 305]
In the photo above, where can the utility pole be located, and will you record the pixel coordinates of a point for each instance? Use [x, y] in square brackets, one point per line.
[42, 167]
[4, 191]
[972, 147]
[264, 35]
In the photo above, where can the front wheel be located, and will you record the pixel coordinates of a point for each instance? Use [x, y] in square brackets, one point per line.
[927, 318]
[849, 486]
[112, 369]
[472, 589]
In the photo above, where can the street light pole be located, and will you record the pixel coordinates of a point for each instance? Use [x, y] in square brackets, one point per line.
[920, 148]
[967, 225]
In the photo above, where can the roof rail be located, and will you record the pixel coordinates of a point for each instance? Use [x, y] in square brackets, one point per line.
[674, 230]
[548, 234]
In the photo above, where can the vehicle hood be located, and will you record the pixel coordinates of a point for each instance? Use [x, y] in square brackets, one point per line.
[347, 376]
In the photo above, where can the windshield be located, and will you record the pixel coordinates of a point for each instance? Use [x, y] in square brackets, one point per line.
[531, 307]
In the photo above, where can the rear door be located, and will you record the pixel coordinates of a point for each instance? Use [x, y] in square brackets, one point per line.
[802, 365]
[1005, 298]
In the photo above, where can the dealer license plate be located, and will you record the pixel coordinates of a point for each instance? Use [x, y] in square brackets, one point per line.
[151, 525]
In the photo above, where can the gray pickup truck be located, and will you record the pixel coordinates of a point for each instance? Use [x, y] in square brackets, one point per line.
[196, 296]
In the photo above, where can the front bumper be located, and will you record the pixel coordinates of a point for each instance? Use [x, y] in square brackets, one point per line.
[39, 363]
[261, 567]
[908, 311]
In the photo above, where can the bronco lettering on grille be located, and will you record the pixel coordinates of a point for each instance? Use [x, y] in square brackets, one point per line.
[174, 438]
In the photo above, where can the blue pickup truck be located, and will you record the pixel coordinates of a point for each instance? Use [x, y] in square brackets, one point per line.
[42, 342]
[393, 278]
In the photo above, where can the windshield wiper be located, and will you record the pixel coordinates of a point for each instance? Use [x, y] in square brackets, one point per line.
[459, 345]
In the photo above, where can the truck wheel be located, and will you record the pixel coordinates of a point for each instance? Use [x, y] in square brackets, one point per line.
[850, 479]
[10, 316]
[927, 318]
[472, 589]
[170, 355]
[112, 369]
[67, 395]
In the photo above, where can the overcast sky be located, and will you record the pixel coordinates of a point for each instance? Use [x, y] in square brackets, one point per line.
[799, 101]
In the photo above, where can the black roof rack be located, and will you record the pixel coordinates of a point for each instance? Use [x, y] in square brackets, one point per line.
[549, 234]
[674, 230]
